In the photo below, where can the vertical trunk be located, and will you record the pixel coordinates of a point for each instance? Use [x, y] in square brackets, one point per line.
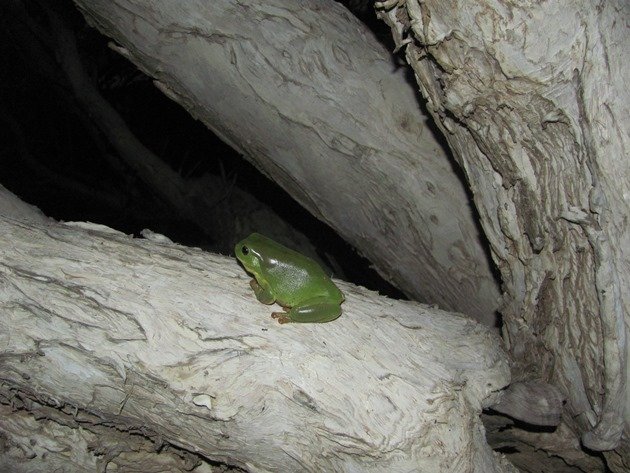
[532, 100]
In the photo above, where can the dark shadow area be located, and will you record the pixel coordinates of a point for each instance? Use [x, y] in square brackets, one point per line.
[513, 439]
[507, 450]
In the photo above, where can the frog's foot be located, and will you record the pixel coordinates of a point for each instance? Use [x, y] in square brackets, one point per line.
[281, 317]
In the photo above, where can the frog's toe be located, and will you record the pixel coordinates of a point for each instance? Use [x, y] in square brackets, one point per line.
[281, 317]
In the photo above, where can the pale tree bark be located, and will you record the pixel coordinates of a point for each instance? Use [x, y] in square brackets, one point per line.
[305, 92]
[44, 439]
[533, 99]
[151, 338]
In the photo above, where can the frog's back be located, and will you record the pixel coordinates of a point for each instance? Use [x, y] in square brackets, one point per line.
[292, 276]
[301, 278]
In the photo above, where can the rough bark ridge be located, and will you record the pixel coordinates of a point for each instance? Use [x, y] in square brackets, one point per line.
[306, 93]
[169, 342]
[533, 101]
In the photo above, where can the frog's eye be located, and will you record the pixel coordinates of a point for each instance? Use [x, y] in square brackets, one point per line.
[245, 250]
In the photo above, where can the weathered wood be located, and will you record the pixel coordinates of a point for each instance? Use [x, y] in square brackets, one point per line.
[169, 342]
[36, 438]
[533, 402]
[533, 99]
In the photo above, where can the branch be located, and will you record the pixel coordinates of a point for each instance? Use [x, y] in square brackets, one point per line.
[169, 342]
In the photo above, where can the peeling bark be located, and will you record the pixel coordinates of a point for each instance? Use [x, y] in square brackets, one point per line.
[36, 438]
[169, 343]
[533, 100]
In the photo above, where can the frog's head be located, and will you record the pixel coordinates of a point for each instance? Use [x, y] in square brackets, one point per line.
[247, 251]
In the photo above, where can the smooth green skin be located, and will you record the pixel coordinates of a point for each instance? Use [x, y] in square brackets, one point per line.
[293, 280]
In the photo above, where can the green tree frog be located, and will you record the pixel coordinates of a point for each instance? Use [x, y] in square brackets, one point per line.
[293, 280]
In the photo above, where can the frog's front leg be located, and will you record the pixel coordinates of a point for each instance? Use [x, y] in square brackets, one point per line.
[263, 294]
[317, 309]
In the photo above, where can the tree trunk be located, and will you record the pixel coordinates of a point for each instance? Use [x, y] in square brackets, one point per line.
[100, 329]
[534, 102]
[305, 92]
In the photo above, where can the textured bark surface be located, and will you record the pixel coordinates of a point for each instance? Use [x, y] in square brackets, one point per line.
[52, 439]
[169, 342]
[306, 93]
[534, 102]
